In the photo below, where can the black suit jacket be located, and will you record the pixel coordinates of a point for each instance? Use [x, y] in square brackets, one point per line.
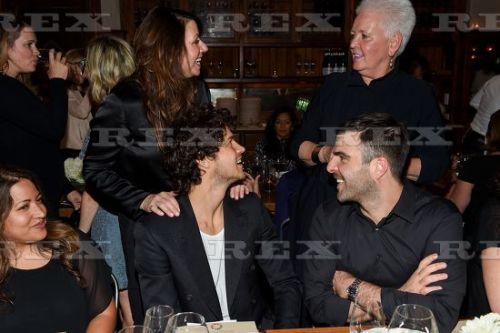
[173, 267]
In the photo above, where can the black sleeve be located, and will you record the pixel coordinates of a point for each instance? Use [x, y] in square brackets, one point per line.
[488, 220]
[23, 109]
[153, 266]
[470, 170]
[108, 137]
[310, 128]
[325, 308]
[97, 276]
[280, 275]
[434, 156]
[445, 304]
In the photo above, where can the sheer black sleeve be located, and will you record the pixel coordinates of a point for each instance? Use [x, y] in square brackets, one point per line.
[96, 275]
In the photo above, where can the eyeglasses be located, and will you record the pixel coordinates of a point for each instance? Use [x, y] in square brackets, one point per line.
[82, 63]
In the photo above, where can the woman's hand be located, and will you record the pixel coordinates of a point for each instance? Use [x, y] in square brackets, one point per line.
[75, 198]
[161, 203]
[57, 66]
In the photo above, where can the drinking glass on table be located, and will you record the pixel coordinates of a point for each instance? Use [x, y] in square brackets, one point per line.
[157, 317]
[412, 318]
[135, 329]
[186, 322]
[367, 318]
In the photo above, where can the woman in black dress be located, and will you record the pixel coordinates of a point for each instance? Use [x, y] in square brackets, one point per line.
[51, 280]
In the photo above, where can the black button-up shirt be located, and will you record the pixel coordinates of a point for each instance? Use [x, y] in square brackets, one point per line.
[345, 96]
[386, 255]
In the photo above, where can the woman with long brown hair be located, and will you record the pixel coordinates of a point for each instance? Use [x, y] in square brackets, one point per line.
[123, 169]
[31, 131]
[50, 279]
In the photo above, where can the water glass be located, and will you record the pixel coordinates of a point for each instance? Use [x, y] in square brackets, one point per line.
[367, 318]
[186, 322]
[412, 318]
[157, 317]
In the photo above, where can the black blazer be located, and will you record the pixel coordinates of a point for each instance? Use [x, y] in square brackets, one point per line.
[123, 163]
[173, 267]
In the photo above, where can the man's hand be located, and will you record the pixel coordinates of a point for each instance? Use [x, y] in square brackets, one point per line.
[341, 281]
[252, 183]
[161, 203]
[425, 275]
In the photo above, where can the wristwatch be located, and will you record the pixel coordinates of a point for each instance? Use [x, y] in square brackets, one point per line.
[353, 289]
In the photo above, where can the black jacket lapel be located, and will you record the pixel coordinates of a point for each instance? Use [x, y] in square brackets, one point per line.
[196, 259]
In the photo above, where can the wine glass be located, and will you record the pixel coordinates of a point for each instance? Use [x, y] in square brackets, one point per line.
[157, 317]
[367, 318]
[412, 318]
[135, 329]
[187, 322]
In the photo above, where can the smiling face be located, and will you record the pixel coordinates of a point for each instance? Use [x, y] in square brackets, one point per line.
[283, 126]
[227, 162]
[371, 50]
[26, 221]
[354, 182]
[23, 55]
[194, 50]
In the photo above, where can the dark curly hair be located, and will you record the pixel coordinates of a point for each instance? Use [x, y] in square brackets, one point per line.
[197, 134]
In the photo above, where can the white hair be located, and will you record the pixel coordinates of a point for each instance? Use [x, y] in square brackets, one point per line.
[399, 16]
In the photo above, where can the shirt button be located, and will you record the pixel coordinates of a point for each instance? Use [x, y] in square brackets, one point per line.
[189, 297]
[376, 229]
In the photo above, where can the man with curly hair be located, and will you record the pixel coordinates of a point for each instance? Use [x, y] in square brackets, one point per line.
[210, 258]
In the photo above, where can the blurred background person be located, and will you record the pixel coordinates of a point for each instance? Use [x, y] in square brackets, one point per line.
[50, 279]
[277, 137]
[79, 107]
[483, 270]
[469, 191]
[31, 132]
[486, 101]
[110, 59]
[129, 179]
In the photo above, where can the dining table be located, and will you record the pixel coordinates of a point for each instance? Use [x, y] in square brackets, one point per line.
[340, 329]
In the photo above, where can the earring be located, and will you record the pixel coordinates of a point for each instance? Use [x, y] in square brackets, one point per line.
[391, 63]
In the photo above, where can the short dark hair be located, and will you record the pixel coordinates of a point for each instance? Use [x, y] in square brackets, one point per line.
[197, 134]
[381, 135]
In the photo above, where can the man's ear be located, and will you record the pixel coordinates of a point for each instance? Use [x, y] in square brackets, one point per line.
[379, 167]
[203, 164]
[395, 43]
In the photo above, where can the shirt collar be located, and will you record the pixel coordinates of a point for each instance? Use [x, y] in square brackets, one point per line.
[405, 207]
[355, 79]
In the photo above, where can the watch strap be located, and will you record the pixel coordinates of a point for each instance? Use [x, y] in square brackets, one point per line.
[353, 289]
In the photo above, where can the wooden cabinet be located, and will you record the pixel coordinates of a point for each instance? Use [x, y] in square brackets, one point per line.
[279, 45]
[263, 44]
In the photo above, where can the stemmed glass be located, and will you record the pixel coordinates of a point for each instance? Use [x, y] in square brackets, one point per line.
[187, 322]
[412, 318]
[367, 318]
[157, 317]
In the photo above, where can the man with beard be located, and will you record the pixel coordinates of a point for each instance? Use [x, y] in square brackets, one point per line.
[210, 259]
[383, 238]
